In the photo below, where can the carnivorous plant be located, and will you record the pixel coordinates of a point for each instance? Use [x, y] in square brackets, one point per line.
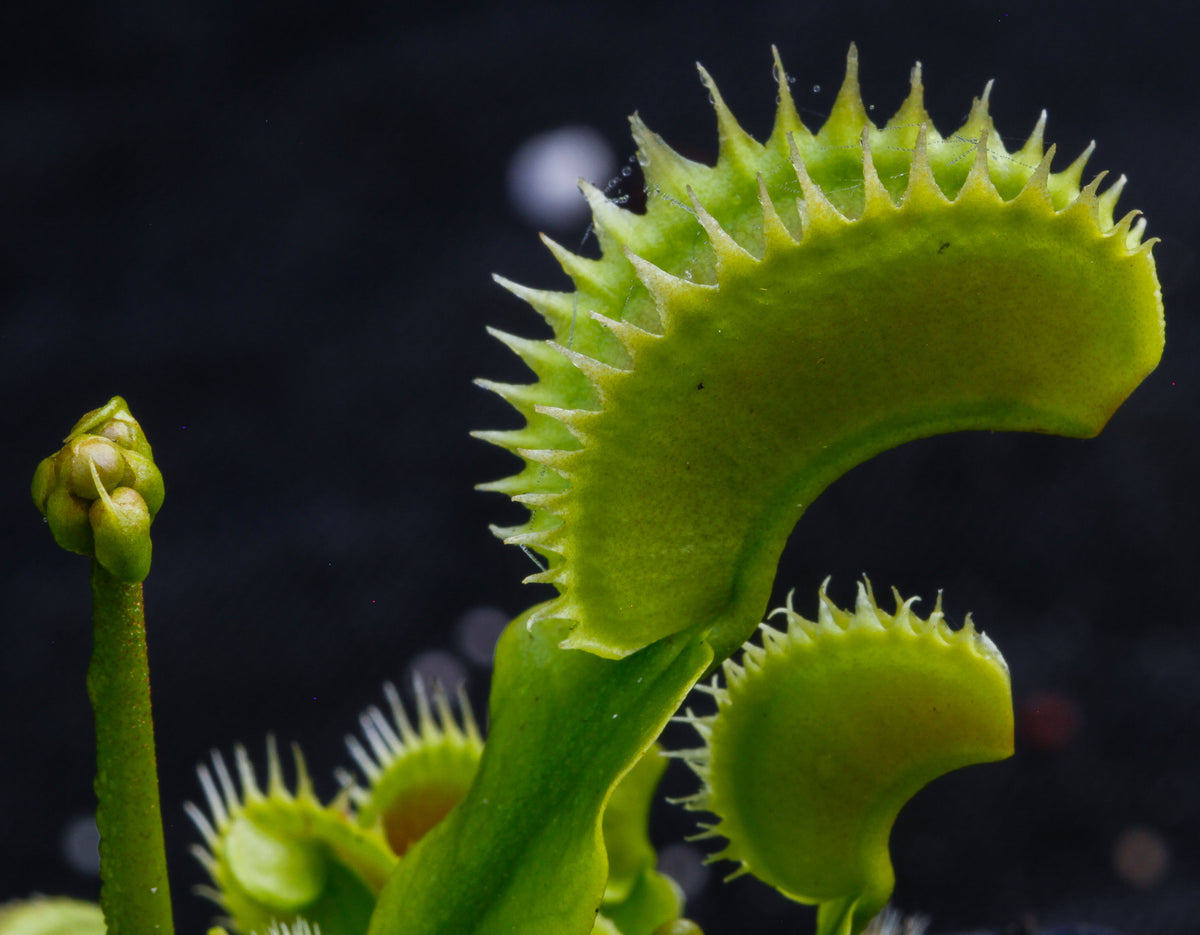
[766, 324]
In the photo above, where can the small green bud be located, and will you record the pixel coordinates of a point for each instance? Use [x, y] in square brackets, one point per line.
[101, 490]
[43, 483]
[121, 524]
[115, 422]
[78, 458]
[67, 515]
[143, 475]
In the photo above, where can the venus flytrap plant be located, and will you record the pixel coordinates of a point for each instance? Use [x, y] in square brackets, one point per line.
[275, 855]
[766, 324]
[870, 707]
[413, 776]
[278, 856]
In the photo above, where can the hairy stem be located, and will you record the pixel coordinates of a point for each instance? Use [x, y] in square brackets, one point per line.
[134, 894]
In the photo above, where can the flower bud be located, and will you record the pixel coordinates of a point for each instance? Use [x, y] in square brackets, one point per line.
[115, 422]
[101, 490]
[69, 523]
[143, 475]
[77, 459]
[120, 522]
[43, 483]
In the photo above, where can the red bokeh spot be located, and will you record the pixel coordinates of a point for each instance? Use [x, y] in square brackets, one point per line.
[1049, 720]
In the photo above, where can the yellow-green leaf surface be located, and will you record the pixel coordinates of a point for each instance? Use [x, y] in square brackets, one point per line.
[777, 318]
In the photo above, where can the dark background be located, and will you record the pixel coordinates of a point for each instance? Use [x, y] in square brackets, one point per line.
[272, 227]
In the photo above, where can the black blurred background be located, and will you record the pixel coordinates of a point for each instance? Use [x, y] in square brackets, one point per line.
[271, 227]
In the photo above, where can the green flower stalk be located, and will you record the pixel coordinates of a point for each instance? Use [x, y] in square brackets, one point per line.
[99, 494]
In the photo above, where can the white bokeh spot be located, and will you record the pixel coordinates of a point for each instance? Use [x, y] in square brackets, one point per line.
[80, 845]
[438, 667]
[544, 174]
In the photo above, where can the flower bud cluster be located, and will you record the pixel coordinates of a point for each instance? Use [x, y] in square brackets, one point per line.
[101, 490]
